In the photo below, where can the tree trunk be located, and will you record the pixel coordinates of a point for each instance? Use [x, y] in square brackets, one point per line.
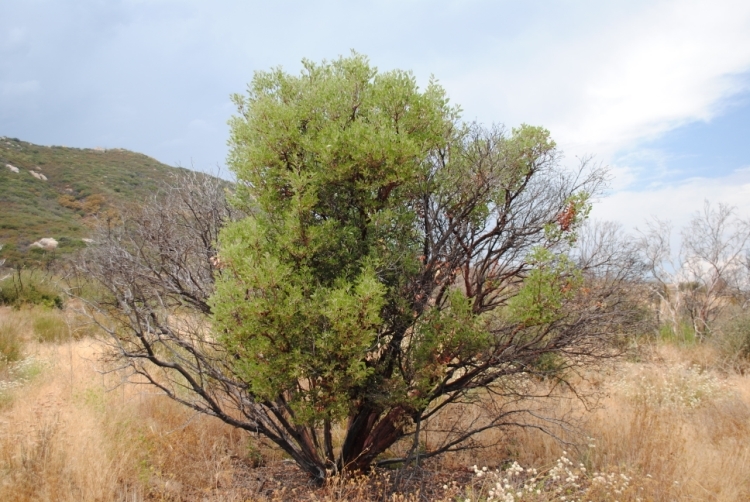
[366, 437]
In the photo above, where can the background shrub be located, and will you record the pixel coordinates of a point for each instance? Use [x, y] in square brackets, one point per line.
[30, 288]
[732, 337]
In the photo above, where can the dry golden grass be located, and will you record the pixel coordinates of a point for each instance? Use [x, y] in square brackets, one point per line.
[73, 434]
[677, 430]
[673, 424]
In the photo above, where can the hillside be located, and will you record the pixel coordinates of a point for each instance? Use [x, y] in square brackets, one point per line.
[55, 191]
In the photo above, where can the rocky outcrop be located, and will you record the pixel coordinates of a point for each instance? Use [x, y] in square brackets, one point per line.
[47, 243]
[38, 175]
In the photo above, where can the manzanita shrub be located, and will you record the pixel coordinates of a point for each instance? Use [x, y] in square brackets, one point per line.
[385, 272]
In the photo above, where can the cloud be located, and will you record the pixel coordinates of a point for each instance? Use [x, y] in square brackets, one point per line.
[609, 80]
[676, 202]
[605, 80]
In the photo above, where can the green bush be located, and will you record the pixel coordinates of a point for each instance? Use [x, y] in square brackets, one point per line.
[29, 288]
[69, 244]
[685, 334]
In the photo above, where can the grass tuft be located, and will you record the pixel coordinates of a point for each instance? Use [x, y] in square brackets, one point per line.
[11, 344]
[50, 327]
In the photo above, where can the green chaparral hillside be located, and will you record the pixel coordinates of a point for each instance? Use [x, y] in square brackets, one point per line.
[59, 192]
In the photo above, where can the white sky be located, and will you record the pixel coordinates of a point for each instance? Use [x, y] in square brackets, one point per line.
[657, 90]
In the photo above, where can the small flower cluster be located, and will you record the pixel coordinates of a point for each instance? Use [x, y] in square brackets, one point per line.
[509, 488]
[565, 482]
[614, 483]
[6, 385]
[680, 386]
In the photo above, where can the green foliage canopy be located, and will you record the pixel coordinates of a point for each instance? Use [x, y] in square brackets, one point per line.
[331, 161]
